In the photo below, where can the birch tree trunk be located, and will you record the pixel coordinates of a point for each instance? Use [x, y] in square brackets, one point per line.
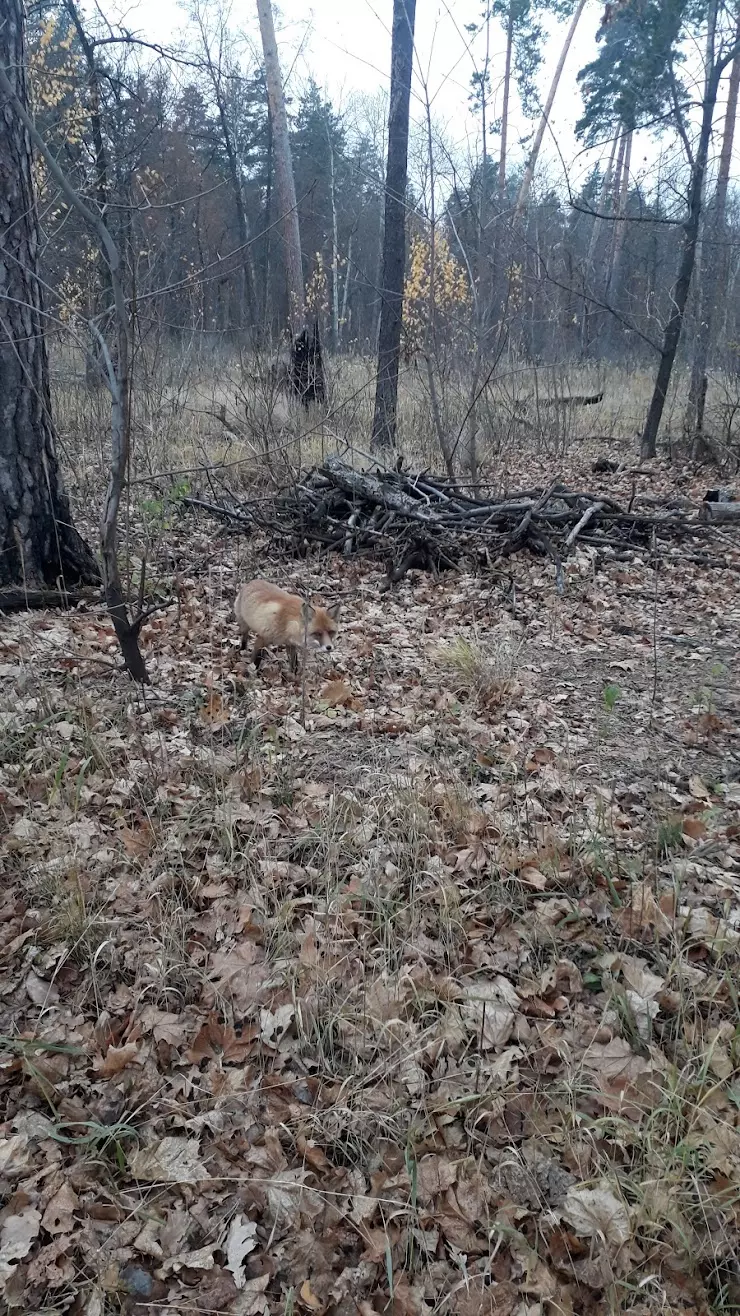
[283, 163]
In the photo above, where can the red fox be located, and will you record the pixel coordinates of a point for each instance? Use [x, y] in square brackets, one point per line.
[277, 618]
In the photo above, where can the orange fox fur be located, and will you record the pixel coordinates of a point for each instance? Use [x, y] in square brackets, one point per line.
[282, 620]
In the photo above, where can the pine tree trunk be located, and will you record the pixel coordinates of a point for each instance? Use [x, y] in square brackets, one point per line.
[38, 543]
[593, 241]
[713, 265]
[505, 109]
[334, 251]
[526, 183]
[613, 287]
[284, 181]
[679, 297]
[394, 234]
[101, 162]
[247, 303]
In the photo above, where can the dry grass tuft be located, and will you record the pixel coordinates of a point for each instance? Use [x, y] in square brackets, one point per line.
[487, 670]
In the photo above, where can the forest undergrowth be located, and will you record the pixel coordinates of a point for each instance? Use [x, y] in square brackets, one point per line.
[409, 986]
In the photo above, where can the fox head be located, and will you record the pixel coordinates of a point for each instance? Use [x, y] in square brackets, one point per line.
[320, 624]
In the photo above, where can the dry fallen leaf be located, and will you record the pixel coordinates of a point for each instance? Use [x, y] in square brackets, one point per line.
[252, 1300]
[537, 1278]
[17, 1236]
[240, 974]
[489, 1011]
[240, 1241]
[95, 1305]
[41, 993]
[117, 1058]
[434, 1175]
[532, 877]
[308, 1297]
[289, 1198]
[15, 1158]
[147, 1240]
[214, 712]
[274, 1024]
[201, 1259]
[335, 693]
[698, 789]
[58, 1217]
[171, 1160]
[598, 1213]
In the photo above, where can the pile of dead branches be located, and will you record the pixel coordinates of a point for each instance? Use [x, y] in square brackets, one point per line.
[425, 522]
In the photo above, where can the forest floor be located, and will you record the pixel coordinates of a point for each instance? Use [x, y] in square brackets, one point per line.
[413, 987]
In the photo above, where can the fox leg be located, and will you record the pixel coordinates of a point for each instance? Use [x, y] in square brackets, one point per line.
[259, 649]
[293, 658]
[244, 640]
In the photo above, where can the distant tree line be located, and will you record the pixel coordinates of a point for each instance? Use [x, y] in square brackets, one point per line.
[179, 154]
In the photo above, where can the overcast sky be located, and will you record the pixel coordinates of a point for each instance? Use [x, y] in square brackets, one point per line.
[345, 45]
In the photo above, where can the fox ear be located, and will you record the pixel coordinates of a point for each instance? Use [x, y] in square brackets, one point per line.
[334, 611]
[306, 612]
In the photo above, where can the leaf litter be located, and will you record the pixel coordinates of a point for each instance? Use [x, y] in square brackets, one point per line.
[429, 1005]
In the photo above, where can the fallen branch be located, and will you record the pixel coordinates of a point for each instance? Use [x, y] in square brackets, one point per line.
[417, 521]
[23, 600]
[720, 513]
[588, 515]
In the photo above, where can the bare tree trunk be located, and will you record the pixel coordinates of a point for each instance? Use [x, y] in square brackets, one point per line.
[247, 299]
[394, 235]
[672, 332]
[489, 292]
[284, 181]
[38, 543]
[526, 183]
[505, 108]
[593, 240]
[102, 180]
[612, 291]
[334, 250]
[348, 275]
[268, 224]
[713, 265]
[127, 631]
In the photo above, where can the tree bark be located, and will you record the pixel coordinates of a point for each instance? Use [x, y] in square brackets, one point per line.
[526, 183]
[118, 381]
[284, 180]
[713, 265]
[614, 276]
[247, 296]
[93, 364]
[394, 234]
[505, 109]
[39, 546]
[334, 249]
[672, 332]
[603, 201]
